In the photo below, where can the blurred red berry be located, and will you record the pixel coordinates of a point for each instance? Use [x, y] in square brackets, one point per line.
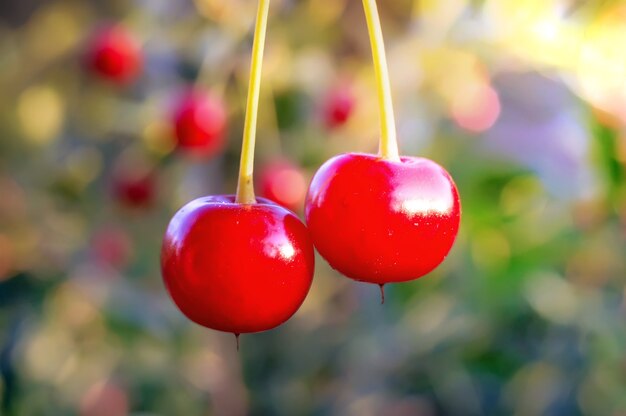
[114, 54]
[134, 186]
[338, 107]
[200, 124]
[284, 183]
[104, 398]
[112, 246]
[477, 108]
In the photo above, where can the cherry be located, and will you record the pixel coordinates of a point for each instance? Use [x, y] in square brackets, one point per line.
[382, 218]
[236, 263]
[200, 123]
[237, 267]
[338, 107]
[114, 54]
[382, 221]
[283, 182]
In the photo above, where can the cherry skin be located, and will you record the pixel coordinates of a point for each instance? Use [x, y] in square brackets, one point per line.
[283, 182]
[237, 268]
[200, 124]
[380, 221]
[338, 107]
[114, 54]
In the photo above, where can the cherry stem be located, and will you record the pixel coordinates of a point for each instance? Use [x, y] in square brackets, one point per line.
[382, 293]
[237, 340]
[388, 146]
[245, 186]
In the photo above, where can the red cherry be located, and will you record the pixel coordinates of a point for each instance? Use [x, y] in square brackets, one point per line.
[200, 124]
[237, 267]
[283, 182]
[115, 55]
[381, 221]
[135, 187]
[338, 107]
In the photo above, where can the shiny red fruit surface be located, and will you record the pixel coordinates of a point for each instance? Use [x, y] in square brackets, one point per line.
[234, 267]
[283, 182]
[380, 221]
[115, 55]
[199, 124]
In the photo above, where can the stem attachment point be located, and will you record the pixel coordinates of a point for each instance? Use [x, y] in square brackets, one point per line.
[388, 147]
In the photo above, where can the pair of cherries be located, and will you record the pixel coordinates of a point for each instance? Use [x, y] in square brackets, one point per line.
[244, 268]
[240, 264]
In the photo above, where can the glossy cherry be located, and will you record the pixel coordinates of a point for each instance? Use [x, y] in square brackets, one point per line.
[200, 124]
[115, 55]
[284, 183]
[382, 221]
[382, 218]
[237, 263]
[338, 107]
[234, 267]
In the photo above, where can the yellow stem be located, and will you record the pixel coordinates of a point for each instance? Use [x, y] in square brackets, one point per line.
[245, 186]
[388, 148]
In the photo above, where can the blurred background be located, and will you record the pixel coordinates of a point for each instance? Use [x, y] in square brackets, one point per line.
[113, 114]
